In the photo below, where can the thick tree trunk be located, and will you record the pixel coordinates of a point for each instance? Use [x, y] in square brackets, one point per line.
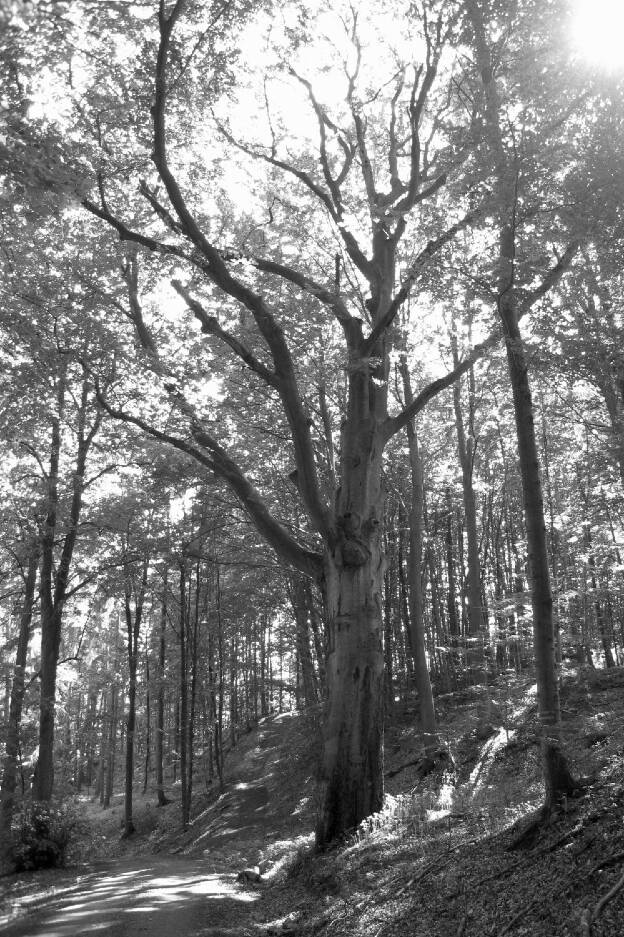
[9, 774]
[353, 583]
[353, 755]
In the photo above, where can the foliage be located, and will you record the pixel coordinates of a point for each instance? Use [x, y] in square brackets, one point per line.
[43, 836]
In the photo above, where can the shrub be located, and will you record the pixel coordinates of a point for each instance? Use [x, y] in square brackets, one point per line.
[42, 836]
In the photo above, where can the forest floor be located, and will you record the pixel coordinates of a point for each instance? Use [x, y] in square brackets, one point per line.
[441, 860]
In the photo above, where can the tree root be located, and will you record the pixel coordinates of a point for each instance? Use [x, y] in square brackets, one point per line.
[526, 837]
[434, 866]
[605, 863]
[517, 917]
[587, 918]
[427, 764]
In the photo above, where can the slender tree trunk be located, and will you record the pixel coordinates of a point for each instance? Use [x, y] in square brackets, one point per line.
[133, 628]
[318, 636]
[112, 745]
[50, 616]
[451, 595]
[183, 697]
[558, 780]
[299, 601]
[465, 447]
[148, 723]
[417, 633]
[54, 576]
[160, 701]
[193, 700]
[9, 774]
[389, 610]
[221, 684]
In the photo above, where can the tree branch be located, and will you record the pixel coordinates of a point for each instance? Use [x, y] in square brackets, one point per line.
[326, 296]
[219, 462]
[210, 326]
[416, 268]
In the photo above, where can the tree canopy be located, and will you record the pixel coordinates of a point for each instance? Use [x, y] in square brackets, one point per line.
[261, 263]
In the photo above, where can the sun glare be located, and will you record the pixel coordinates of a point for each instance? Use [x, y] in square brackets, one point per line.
[598, 31]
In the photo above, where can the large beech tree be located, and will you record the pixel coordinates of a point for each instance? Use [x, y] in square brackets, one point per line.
[387, 192]
[346, 558]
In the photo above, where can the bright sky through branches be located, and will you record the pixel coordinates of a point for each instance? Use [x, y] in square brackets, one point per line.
[598, 31]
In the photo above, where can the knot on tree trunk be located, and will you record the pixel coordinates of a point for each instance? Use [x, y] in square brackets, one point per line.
[352, 546]
[355, 553]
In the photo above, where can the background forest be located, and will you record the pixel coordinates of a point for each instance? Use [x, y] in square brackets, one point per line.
[312, 383]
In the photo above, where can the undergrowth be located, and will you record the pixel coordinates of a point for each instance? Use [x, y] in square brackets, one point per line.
[45, 836]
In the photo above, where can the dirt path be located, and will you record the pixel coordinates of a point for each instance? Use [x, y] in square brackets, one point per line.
[191, 890]
[159, 896]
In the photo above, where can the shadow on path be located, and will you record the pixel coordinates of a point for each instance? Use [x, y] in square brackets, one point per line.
[163, 896]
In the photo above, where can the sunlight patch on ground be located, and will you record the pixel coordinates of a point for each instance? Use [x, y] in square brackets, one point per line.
[98, 925]
[214, 885]
[480, 772]
[443, 803]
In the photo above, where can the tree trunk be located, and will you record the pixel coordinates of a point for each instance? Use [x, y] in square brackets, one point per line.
[353, 583]
[451, 596]
[558, 780]
[148, 723]
[133, 628]
[9, 775]
[183, 635]
[160, 701]
[112, 743]
[353, 757]
[54, 577]
[465, 447]
[130, 728]
[299, 596]
[416, 595]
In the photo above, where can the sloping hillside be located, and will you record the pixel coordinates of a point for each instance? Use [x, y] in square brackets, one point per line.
[447, 855]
